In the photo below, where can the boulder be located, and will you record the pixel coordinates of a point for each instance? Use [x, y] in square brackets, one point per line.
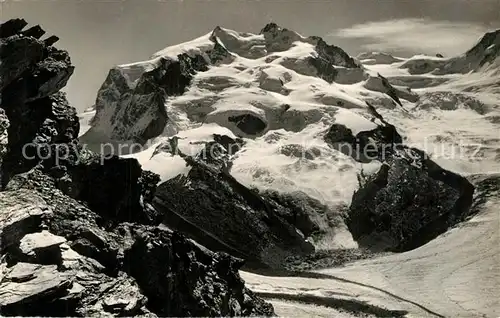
[21, 212]
[27, 289]
[41, 248]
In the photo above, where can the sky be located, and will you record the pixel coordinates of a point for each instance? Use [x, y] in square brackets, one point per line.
[102, 33]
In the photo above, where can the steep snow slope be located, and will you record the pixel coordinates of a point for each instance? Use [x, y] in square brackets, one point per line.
[279, 91]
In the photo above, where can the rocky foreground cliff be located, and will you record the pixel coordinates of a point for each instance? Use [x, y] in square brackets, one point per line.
[76, 239]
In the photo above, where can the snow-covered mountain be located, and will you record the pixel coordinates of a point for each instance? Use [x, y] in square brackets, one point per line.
[280, 93]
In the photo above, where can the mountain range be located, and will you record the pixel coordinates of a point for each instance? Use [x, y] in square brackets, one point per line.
[251, 174]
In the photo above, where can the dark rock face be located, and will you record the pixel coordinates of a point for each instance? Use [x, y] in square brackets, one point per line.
[278, 39]
[18, 54]
[165, 271]
[143, 97]
[78, 230]
[333, 54]
[215, 155]
[96, 183]
[451, 101]
[182, 278]
[328, 56]
[219, 54]
[35, 31]
[324, 69]
[116, 257]
[305, 213]
[248, 124]
[132, 104]
[32, 73]
[487, 49]
[409, 201]
[214, 208]
[375, 144]
[12, 27]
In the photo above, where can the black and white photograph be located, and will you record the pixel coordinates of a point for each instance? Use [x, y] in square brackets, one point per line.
[264, 158]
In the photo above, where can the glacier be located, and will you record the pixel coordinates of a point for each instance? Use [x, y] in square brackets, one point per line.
[279, 90]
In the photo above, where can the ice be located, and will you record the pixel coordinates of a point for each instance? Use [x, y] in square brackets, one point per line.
[451, 112]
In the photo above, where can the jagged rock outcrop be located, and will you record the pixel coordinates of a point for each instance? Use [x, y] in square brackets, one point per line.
[32, 73]
[451, 101]
[220, 152]
[249, 124]
[328, 61]
[4, 138]
[308, 215]
[131, 103]
[77, 230]
[487, 188]
[370, 58]
[381, 84]
[366, 146]
[409, 201]
[183, 278]
[281, 39]
[114, 256]
[212, 207]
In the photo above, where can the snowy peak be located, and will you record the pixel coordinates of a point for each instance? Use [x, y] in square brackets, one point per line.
[487, 49]
[281, 39]
[485, 53]
[130, 105]
[282, 87]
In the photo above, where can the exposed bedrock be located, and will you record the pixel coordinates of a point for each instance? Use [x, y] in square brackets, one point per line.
[329, 60]
[212, 207]
[83, 257]
[32, 73]
[409, 201]
[248, 124]
[130, 105]
[381, 84]
[365, 146]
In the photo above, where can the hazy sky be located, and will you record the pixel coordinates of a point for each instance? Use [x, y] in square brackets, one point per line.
[100, 34]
